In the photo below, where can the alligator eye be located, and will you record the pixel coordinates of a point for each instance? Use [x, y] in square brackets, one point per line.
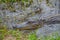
[14, 27]
[30, 22]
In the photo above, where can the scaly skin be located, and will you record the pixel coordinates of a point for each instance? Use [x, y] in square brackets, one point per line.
[31, 25]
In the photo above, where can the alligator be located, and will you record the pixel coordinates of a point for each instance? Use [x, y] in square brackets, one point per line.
[31, 25]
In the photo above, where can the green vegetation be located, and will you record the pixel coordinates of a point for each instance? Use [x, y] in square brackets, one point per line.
[9, 4]
[0, 20]
[32, 36]
[3, 33]
[18, 35]
[12, 1]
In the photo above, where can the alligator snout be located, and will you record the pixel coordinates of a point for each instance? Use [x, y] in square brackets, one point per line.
[27, 25]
